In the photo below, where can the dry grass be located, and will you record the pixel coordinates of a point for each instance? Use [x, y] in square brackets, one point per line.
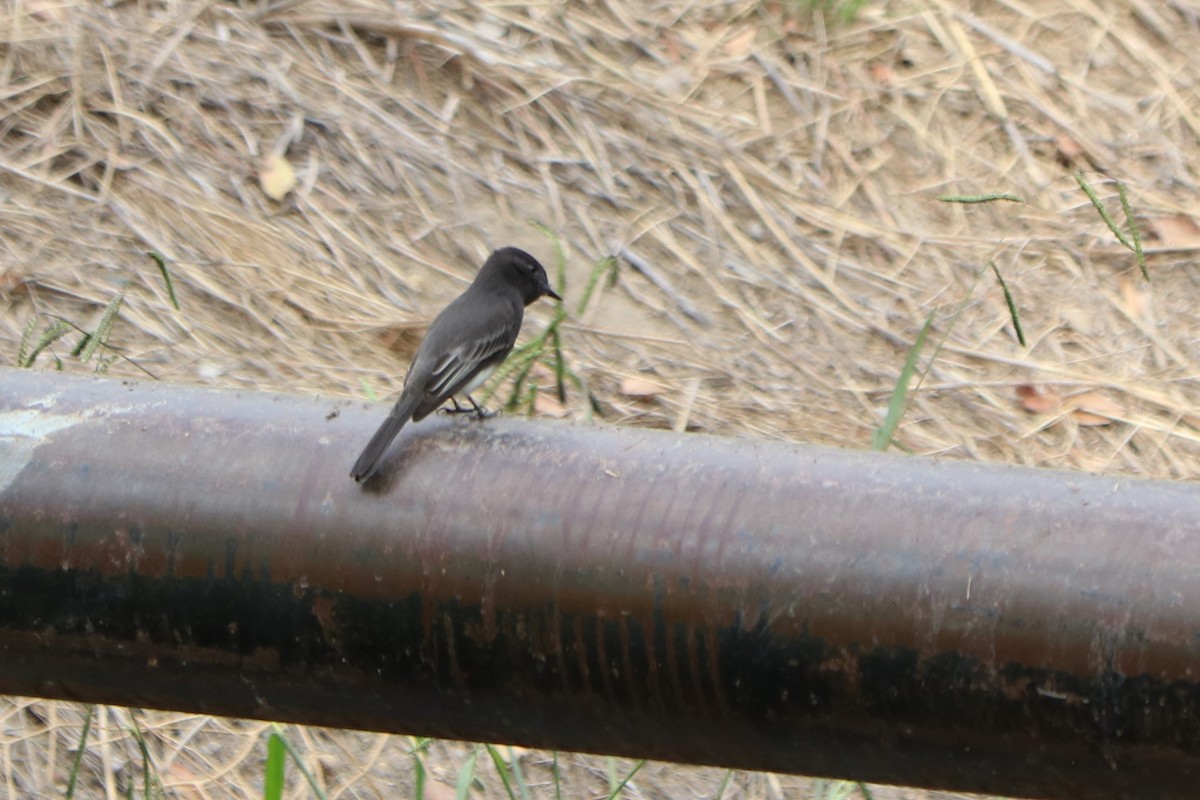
[769, 184]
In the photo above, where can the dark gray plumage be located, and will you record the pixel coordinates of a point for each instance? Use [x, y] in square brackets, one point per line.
[464, 345]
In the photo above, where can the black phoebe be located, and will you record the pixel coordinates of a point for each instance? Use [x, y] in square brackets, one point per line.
[464, 345]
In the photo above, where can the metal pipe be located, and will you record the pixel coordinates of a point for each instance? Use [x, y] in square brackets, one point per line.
[717, 601]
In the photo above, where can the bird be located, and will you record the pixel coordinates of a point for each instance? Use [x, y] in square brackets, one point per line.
[464, 345]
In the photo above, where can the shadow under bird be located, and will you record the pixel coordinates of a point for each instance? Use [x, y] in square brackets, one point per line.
[464, 345]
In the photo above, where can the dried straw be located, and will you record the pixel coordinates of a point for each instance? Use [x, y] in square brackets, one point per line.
[769, 183]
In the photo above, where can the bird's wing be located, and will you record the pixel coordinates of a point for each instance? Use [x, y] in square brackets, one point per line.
[458, 345]
[456, 368]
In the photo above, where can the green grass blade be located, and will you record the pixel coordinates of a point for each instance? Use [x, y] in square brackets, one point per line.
[531, 399]
[1012, 305]
[557, 778]
[501, 768]
[77, 762]
[514, 764]
[836, 790]
[419, 774]
[1101, 210]
[1134, 233]
[273, 770]
[419, 777]
[166, 276]
[835, 11]
[466, 777]
[980, 198]
[49, 336]
[620, 787]
[593, 406]
[605, 266]
[93, 341]
[151, 785]
[514, 399]
[849, 10]
[26, 338]
[896, 405]
[560, 366]
[311, 779]
[724, 785]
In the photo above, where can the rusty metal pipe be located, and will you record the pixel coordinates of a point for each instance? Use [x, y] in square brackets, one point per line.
[716, 601]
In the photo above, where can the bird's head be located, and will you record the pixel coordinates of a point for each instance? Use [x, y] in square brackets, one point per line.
[522, 271]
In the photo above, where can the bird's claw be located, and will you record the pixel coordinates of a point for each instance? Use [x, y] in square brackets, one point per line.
[477, 410]
[457, 408]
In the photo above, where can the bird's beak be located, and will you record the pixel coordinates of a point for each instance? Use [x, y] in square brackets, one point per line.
[551, 293]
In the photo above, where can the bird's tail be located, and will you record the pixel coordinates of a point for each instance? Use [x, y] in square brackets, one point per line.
[369, 460]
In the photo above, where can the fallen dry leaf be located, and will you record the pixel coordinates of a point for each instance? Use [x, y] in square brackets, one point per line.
[1035, 401]
[1092, 409]
[1067, 150]
[1178, 231]
[641, 387]
[277, 177]
[882, 74]
[10, 281]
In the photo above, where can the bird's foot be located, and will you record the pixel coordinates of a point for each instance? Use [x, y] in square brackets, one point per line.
[480, 411]
[457, 408]
[476, 410]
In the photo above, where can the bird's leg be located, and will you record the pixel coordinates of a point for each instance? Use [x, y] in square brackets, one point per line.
[459, 409]
[480, 411]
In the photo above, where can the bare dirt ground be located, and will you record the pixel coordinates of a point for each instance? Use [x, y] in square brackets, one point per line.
[767, 177]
